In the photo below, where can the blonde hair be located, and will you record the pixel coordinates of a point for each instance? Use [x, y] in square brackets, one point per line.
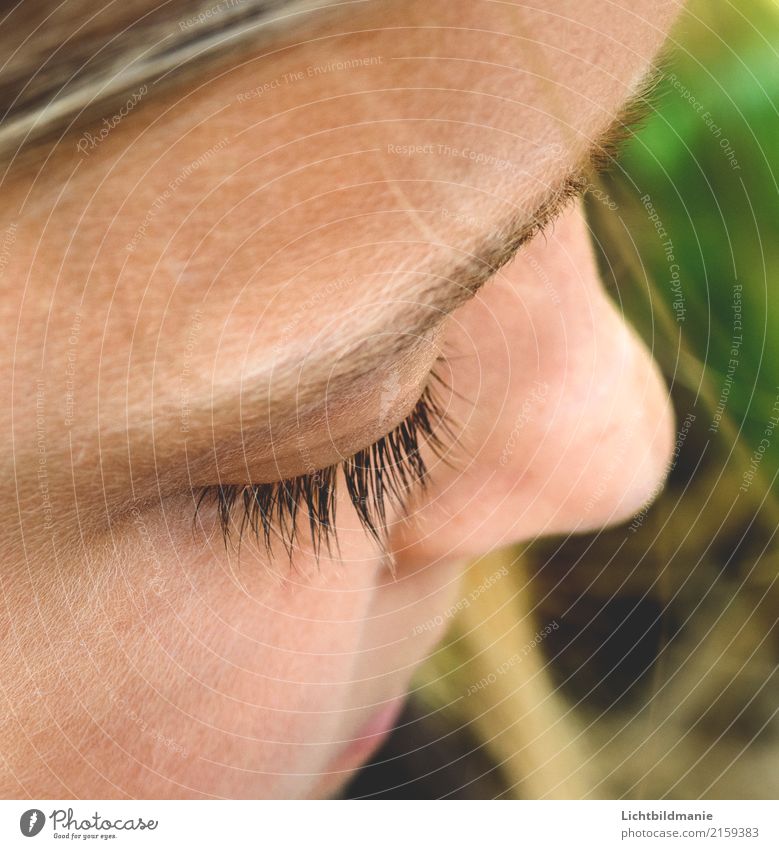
[68, 63]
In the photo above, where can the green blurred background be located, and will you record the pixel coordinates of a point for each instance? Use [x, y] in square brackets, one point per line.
[663, 670]
[669, 642]
[708, 156]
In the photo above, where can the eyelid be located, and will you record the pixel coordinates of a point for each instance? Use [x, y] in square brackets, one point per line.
[382, 474]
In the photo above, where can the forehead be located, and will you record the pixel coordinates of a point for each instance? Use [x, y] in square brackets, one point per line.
[299, 191]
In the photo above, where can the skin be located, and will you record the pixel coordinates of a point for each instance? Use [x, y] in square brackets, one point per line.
[142, 659]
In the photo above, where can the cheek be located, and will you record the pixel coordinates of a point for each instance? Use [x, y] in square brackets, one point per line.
[170, 672]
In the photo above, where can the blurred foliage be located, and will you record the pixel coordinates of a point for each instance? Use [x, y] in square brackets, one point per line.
[708, 157]
[669, 638]
[668, 643]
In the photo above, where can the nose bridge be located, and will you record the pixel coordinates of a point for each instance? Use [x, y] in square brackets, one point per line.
[599, 445]
[607, 439]
[567, 424]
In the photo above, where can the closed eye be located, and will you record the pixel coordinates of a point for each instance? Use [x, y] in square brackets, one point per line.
[382, 475]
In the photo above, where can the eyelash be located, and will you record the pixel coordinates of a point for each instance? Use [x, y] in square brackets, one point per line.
[385, 473]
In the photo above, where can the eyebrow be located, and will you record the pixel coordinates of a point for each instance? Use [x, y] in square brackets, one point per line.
[269, 394]
[268, 406]
[450, 289]
[270, 402]
[469, 275]
[464, 280]
[495, 251]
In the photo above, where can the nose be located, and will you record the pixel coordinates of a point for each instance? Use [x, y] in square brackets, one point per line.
[564, 420]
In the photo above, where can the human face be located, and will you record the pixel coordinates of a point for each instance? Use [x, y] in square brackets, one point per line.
[251, 278]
